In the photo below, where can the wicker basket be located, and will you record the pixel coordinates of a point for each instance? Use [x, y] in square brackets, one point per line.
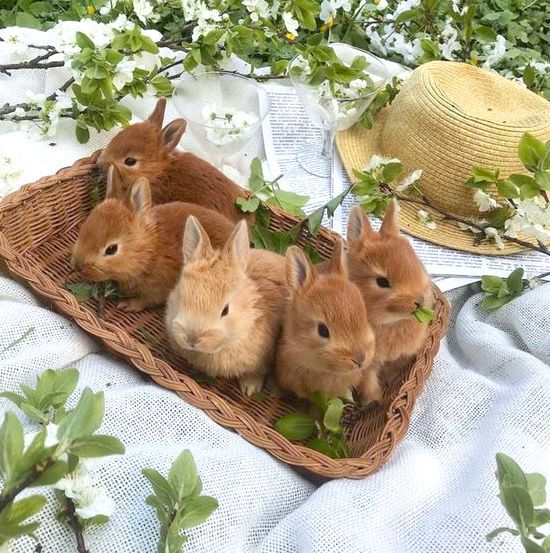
[39, 224]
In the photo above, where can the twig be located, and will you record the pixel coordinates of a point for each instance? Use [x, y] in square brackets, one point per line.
[428, 203]
[76, 527]
[36, 472]
[19, 340]
[33, 63]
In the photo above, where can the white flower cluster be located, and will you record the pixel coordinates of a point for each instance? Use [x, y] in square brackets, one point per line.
[494, 52]
[427, 219]
[227, 126]
[378, 162]
[484, 201]
[532, 219]
[258, 9]
[10, 170]
[329, 8]
[90, 499]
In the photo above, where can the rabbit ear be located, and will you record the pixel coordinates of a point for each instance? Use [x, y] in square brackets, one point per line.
[390, 225]
[237, 248]
[172, 133]
[196, 244]
[140, 195]
[358, 225]
[300, 273]
[158, 113]
[114, 183]
[337, 261]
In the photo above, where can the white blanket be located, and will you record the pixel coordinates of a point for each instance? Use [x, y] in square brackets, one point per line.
[489, 392]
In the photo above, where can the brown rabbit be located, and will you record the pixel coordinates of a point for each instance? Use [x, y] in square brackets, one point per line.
[327, 343]
[138, 245]
[225, 313]
[393, 282]
[146, 149]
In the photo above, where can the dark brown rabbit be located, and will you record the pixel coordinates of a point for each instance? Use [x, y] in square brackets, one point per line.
[149, 150]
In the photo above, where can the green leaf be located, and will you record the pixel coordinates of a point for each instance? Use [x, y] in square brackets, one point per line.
[508, 189]
[531, 546]
[542, 517]
[295, 426]
[157, 504]
[11, 438]
[518, 505]
[98, 520]
[423, 314]
[492, 302]
[248, 206]
[546, 544]
[84, 419]
[333, 415]
[542, 178]
[514, 281]
[320, 400]
[33, 413]
[82, 291]
[536, 486]
[161, 487]
[322, 446]
[530, 151]
[529, 76]
[84, 41]
[490, 283]
[52, 475]
[23, 509]
[484, 174]
[148, 45]
[492, 535]
[391, 171]
[183, 476]
[315, 219]
[196, 511]
[35, 452]
[256, 179]
[65, 384]
[23, 19]
[15, 398]
[485, 34]
[82, 135]
[174, 542]
[97, 445]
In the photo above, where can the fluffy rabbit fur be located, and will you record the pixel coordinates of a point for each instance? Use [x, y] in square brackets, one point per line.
[138, 245]
[393, 282]
[225, 313]
[327, 343]
[147, 149]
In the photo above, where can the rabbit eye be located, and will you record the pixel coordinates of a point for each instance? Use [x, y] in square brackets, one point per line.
[111, 250]
[323, 330]
[130, 161]
[383, 282]
[225, 311]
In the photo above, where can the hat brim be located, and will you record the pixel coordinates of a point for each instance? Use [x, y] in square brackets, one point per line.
[357, 145]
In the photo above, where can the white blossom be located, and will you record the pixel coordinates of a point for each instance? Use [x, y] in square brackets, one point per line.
[377, 161]
[258, 9]
[124, 74]
[122, 23]
[483, 201]
[147, 61]
[376, 40]
[475, 230]
[381, 4]
[493, 233]
[450, 42]
[291, 24]
[144, 11]
[494, 52]
[10, 170]
[404, 6]
[35, 99]
[206, 23]
[410, 180]
[19, 112]
[226, 126]
[192, 9]
[90, 499]
[14, 44]
[329, 8]
[532, 219]
[426, 218]
[63, 99]
[63, 34]
[457, 9]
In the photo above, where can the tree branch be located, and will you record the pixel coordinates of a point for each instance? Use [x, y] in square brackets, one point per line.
[36, 472]
[76, 527]
[34, 63]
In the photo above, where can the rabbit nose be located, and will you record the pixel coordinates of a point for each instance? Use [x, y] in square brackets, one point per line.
[359, 358]
[192, 340]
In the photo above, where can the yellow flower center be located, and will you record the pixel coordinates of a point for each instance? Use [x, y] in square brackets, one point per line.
[90, 9]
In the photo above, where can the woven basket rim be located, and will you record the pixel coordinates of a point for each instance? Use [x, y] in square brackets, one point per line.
[213, 404]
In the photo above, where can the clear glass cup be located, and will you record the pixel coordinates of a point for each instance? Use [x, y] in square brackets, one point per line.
[333, 114]
[223, 111]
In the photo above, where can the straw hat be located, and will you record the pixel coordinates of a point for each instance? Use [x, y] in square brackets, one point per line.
[447, 118]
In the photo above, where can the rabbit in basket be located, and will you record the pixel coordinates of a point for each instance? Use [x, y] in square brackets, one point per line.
[225, 313]
[138, 245]
[327, 343]
[147, 149]
[393, 283]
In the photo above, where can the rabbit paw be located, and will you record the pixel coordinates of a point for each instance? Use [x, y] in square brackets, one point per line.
[132, 305]
[251, 384]
[370, 388]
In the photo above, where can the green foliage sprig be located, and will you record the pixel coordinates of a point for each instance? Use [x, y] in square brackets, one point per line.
[522, 495]
[321, 431]
[178, 502]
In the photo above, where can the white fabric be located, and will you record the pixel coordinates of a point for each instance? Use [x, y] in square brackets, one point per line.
[489, 392]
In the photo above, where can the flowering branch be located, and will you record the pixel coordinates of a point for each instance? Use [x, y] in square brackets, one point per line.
[34, 63]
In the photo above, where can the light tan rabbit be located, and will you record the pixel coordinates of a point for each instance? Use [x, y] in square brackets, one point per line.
[393, 283]
[327, 343]
[139, 245]
[225, 313]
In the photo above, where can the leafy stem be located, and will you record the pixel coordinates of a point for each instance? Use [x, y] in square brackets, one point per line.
[33, 476]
